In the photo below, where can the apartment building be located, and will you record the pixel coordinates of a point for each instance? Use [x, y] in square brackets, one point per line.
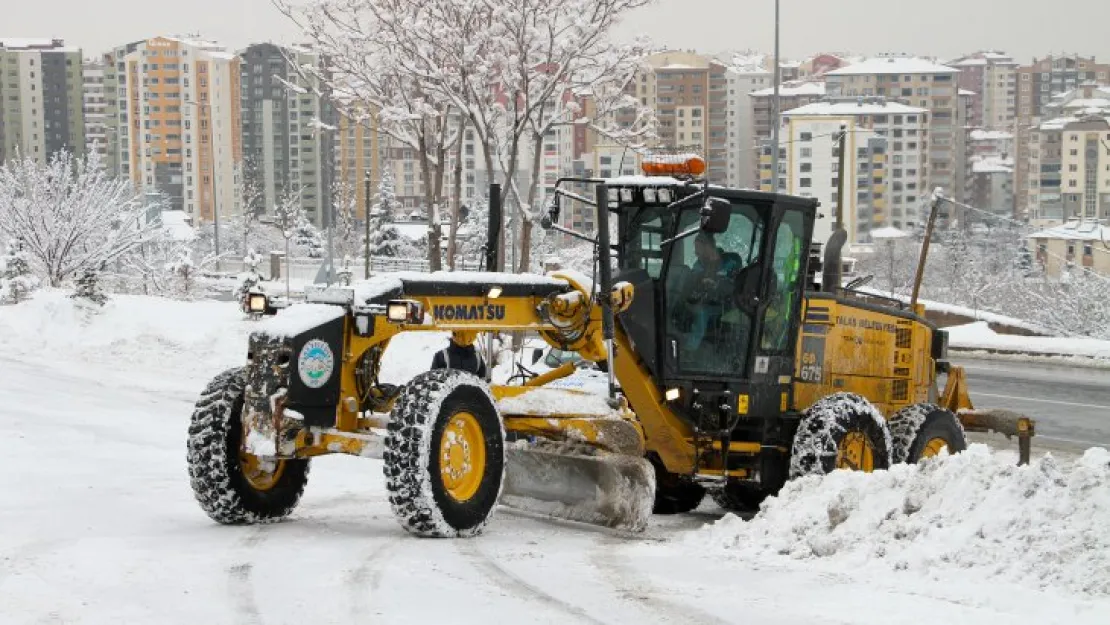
[179, 123]
[98, 124]
[792, 95]
[743, 151]
[1064, 248]
[884, 149]
[921, 83]
[289, 133]
[689, 94]
[41, 99]
[357, 158]
[990, 79]
[1066, 159]
[1039, 84]
[990, 188]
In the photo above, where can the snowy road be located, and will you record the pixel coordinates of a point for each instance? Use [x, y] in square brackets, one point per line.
[1070, 404]
[99, 526]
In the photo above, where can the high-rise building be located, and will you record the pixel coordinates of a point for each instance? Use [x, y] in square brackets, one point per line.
[992, 77]
[289, 132]
[98, 125]
[40, 99]
[179, 123]
[356, 158]
[884, 152]
[921, 83]
[1039, 84]
[792, 95]
[743, 151]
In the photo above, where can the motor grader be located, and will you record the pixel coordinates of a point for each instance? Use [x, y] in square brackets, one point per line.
[735, 361]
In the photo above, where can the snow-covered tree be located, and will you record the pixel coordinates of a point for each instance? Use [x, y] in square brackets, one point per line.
[185, 270]
[513, 70]
[288, 214]
[307, 239]
[348, 238]
[70, 213]
[16, 279]
[250, 277]
[88, 287]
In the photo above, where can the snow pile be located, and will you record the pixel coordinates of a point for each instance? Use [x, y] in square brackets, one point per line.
[543, 401]
[129, 331]
[980, 336]
[1042, 524]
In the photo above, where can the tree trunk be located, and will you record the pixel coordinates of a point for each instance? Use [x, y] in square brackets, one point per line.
[527, 219]
[456, 198]
[429, 198]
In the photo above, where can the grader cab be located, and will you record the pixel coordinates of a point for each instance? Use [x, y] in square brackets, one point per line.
[729, 373]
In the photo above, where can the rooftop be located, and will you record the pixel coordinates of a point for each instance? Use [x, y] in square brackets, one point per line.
[993, 165]
[26, 43]
[1075, 231]
[990, 135]
[793, 89]
[859, 107]
[893, 65]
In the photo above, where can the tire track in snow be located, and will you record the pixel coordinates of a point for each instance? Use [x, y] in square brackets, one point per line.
[632, 585]
[240, 580]
[515, 585]
[365, 579]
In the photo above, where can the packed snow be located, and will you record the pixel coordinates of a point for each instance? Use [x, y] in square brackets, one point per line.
[1042, 525]
[100, 526]
[979, 336]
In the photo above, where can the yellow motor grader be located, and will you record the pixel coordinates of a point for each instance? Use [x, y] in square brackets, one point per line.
[735, 361]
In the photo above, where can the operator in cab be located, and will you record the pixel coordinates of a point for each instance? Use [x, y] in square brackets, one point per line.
[710, 288]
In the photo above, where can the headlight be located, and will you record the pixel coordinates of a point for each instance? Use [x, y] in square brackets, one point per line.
[649, 195]
[665, 196]
[404, 311]
[626, 195]
[257, 303]
[614, 195]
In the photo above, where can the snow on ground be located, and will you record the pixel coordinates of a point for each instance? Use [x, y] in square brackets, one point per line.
[980, 315]
[98, 524]
[979, 336]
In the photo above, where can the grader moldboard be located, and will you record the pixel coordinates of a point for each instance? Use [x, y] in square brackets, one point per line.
[735, 362]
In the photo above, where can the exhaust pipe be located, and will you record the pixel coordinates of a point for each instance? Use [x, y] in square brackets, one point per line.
[831, 272]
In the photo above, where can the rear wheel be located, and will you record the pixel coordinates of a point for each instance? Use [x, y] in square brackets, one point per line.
[923, 431]
[674, 494]
[841, 431]
[232, 486]
[444, 455]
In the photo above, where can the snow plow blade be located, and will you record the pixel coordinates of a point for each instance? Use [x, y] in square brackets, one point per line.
[1006, 422]
[607, 489]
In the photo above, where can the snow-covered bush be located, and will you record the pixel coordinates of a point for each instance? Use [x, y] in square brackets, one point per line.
[16, 279]
[88, 287]
[185, 270]
[70, 214]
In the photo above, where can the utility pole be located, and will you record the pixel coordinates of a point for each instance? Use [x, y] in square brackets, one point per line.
[775, 112]
[326, 191]
[840, 177]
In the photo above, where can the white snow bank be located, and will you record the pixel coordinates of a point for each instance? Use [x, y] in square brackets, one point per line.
[978, 335]
[130, 332]
[1043, 524]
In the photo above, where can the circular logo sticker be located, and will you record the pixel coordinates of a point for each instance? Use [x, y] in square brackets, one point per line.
[315, 364]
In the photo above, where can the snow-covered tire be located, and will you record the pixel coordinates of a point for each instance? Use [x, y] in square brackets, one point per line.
[828, 423]
[215, 467]
[739, 497]
[913, 427]
[421, 500]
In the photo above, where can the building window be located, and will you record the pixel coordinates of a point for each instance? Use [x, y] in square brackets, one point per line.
[806, 168]
[805, 182]
[806, 136]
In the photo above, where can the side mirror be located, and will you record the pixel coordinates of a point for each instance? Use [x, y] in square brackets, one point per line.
[715, 215]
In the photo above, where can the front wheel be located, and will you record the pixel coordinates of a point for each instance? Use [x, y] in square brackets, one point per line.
[232, 486]
[444, 455]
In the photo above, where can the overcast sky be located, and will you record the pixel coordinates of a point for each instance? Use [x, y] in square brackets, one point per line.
[945, 28]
